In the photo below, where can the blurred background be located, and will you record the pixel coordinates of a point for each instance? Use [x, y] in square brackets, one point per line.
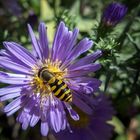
[120, 71]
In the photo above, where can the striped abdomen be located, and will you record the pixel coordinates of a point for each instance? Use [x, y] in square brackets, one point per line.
[60, 89]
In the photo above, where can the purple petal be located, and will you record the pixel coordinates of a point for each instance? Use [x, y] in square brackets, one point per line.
[68, 41]
[11, 65]
[7, 55]
[34, 120]
[72, 113]
[45, 108]
[18, 119]
[26, 121]
[77, 134]
[64, 124]
[59, 120]
[21, 53]
[4, 53]
[55, 119]
[104, 109]
[43, 41]
[58, 36]
[44, 128]
[25, 125]
[83, 70]
[100, 127]
[86, 60]
[11, 89]
[24, 118]
[10, 96]
[63, 43]
[29, 105]
[11, 112]
[10, 78]
[85, 85]
[36, 46]
[35, 115]
[72, 41]
[81, 104]
[80, 48]
[15, 103]
[63, 119]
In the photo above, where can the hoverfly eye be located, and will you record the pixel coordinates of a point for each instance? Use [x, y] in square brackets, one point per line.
[41, 72]
[46, 76]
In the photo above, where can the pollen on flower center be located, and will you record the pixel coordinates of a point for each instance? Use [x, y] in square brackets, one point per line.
[53, 67]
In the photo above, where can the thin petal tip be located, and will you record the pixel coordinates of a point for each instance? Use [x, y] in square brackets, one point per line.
[5, 43]
[99, 52]
[42, 24]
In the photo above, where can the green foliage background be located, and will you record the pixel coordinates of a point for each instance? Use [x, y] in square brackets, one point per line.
[120, 71]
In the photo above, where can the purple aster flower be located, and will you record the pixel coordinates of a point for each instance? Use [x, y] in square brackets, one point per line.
[113, 14]
[33, 96]
[91, 127]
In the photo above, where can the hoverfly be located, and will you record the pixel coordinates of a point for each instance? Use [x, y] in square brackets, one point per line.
[58, 87]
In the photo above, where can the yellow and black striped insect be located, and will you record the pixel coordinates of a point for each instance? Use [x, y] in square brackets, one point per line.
[58, 87]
